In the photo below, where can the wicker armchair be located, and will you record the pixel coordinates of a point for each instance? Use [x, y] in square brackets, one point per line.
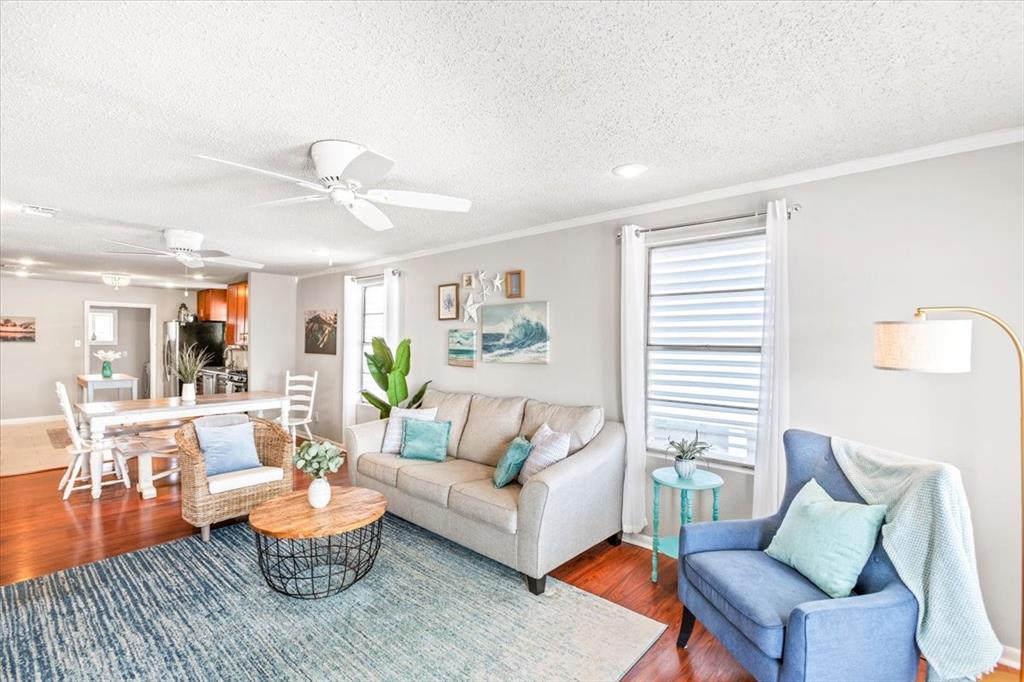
[200, 507]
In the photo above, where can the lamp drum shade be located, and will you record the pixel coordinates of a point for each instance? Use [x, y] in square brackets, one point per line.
[942, 346]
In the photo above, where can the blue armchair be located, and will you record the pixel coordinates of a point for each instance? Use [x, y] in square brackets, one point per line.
[778, 624]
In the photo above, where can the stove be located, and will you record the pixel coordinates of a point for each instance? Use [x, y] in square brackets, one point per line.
[223, 380]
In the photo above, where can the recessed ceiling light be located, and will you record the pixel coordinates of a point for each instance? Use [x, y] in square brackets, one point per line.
[629, 170]
[168, 285]
[323, 252]
[22, 273]
[197, 276]
[26, 261]
[39, 211]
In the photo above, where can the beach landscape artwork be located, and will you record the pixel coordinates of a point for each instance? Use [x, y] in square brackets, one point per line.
[516, 332]
[321, 332]
[21, 329]
[462, 347]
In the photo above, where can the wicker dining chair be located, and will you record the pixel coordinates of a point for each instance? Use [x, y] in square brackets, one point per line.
[200, 507]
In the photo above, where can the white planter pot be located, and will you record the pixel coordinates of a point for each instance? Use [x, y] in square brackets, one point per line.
[319, 493]
[188, 393]
[685, 468]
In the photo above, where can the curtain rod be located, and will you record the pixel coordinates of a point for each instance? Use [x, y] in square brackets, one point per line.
[795, 208]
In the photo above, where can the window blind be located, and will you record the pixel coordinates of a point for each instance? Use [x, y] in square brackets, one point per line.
[704, 323]
[373, 325]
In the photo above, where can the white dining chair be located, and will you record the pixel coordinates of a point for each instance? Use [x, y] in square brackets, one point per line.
[81, 449]
[301, 389]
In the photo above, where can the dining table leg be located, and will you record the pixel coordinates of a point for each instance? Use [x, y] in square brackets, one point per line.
[95, 460]
[145, 485]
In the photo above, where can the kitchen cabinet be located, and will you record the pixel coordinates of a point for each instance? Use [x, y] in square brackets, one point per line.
[237, 304]
[212, 305]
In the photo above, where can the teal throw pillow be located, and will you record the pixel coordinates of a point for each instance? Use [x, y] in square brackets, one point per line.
[828, 542]
[425, 439]
[512, 461]
[228, 448]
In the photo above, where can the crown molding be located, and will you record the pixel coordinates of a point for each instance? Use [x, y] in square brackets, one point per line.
[995, 138]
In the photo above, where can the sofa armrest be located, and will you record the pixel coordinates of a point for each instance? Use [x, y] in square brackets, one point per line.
[714, 536]
[363, 438]
[572, 505]
[870, 636]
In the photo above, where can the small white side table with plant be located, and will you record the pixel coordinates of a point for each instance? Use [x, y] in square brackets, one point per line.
[685, 477]
[316, 460]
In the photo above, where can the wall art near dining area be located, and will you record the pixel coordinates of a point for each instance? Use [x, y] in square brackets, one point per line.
[516, 332]
[18, 329]
[462, 347]
[322, 332]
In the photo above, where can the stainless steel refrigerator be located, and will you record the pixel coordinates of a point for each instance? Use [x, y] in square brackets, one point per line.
[209, 336]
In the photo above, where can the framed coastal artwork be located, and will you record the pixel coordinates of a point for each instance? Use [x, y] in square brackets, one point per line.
[448, 301]
[462, 347]
[515, 332]
[322, 332]
[17, 329]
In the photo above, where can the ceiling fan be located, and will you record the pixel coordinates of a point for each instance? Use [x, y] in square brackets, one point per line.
[185, 247]
[343, 171]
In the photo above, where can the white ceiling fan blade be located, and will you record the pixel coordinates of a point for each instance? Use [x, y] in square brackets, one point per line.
[138, 246]
[433, 202]
[290, 200]
[370, 215]
[236, 262]
[207, 253]
[136, 253]
[280, 176]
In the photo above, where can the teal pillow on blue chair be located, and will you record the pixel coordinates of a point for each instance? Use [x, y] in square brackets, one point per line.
[425, 439]
[512, 461]
[828, 542]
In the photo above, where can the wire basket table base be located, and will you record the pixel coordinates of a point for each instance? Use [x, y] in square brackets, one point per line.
[315, 568]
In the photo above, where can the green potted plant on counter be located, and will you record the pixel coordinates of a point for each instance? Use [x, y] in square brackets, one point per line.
[191, 361]
[687, 453]
[316, 460]
[390, 372]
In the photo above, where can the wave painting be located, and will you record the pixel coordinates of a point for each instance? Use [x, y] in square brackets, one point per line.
[516, 332]
[462, 347]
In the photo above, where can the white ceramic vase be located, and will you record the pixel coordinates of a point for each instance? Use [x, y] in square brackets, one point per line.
[319, 493]
[188, 393]
[685, 468]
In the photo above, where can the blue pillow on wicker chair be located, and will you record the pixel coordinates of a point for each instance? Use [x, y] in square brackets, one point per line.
[228, 448]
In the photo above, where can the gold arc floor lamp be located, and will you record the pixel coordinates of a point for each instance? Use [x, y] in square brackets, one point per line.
[944, 346]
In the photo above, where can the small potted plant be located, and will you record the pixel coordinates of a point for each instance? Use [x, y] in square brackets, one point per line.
[191, 361]
[108, 356]
[687, 453]
[317, 460]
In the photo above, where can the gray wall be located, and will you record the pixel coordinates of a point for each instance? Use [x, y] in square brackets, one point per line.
[865, 247]
[322, 293]
[28, 370]
[271, 321]
[132, 339]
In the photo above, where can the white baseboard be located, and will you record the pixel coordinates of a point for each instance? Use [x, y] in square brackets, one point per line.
[637, 539]
[31, 420]
[1011, 657]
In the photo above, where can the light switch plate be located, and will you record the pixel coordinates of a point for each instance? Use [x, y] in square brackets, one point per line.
[78, 343]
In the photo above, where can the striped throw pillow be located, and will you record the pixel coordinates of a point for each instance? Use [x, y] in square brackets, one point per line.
[549, 447]
[393, 433]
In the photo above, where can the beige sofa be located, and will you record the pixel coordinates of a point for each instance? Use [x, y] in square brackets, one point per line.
[561, 511]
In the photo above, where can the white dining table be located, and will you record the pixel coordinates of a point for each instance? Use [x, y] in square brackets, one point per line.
[101, 416]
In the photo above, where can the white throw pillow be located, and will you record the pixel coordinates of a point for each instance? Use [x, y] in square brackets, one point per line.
[549, 447]
[393, 434]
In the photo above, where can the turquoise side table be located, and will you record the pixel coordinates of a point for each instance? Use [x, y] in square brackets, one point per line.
[701, 480]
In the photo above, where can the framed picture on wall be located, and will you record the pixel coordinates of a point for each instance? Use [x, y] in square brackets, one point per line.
[448, 301]
[462, 347]
[468, 280]
[17, 329]
[515, 284]
[321, 332]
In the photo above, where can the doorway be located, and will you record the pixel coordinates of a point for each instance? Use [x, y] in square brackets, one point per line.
[129, 328]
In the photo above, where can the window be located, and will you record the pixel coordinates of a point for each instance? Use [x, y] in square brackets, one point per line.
[704, 321]
[372, 324]
[102, 327]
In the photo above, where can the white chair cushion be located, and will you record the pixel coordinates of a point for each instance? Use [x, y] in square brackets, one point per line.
[393, 434]
[233, 480]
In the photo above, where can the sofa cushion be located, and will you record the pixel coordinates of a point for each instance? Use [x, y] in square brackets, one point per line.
[383, 466]
[581, 423]
[492, 424]
[433, 481]
[752, 591]
[243, 478]
[451, 407]
[481, 501]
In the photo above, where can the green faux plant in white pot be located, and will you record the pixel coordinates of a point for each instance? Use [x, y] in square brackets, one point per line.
[317, 460]
[687, 453]
[191, 361]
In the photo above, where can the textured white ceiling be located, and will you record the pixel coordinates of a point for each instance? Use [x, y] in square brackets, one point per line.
[523, 108]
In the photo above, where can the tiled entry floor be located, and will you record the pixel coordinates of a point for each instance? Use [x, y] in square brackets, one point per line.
[25, 448]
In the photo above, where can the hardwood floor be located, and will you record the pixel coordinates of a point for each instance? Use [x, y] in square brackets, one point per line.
[40, 534]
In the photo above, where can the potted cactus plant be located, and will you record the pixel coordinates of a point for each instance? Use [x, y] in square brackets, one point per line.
[687, 453]
[389, 371]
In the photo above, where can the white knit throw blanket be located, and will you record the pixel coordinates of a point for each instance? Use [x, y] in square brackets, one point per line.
[928, 537]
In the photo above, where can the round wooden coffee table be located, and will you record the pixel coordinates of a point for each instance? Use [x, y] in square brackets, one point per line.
[313, 553]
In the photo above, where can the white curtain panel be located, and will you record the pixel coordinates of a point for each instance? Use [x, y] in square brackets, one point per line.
[773, 405]
[632, 306]
[351, 351]
[392, 306]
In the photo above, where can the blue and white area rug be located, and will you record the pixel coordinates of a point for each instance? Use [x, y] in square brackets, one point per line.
[429, 610]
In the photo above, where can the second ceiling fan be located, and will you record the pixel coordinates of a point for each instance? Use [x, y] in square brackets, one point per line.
[344, 170]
